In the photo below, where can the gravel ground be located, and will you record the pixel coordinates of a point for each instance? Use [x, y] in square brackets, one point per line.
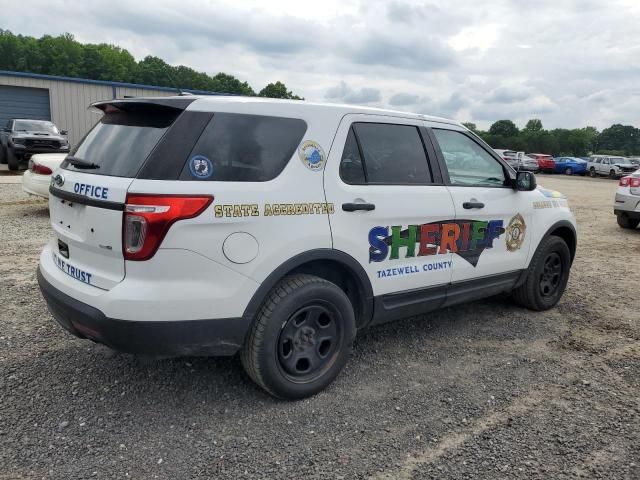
[485, 390]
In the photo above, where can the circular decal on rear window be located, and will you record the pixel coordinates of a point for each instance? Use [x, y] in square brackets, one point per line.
[200, 167]
[312, 155]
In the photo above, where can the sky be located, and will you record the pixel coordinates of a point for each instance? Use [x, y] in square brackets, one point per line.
[571, 63]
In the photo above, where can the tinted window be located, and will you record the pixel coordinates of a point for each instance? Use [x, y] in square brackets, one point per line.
[121, 141]
[467, 162]
[393, 154]
[351, 167]
[244, 148]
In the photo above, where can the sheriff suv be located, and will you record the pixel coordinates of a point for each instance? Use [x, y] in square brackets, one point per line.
[278, 229]
[20, 139]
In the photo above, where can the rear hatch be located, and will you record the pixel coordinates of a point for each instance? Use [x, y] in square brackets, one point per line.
[89, 192]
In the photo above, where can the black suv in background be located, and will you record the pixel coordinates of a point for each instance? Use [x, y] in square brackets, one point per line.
[20, 139]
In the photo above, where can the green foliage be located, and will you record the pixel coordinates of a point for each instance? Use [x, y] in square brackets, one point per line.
[623, 138]
[64, 56]
[505, 128]
[471, 126]
[534, 125]
[278, 90]
[579, 142]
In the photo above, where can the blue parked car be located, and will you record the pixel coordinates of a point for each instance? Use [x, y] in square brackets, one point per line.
[570, 165]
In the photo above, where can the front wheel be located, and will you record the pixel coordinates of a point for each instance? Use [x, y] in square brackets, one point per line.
[12, 160]
[3, 155]
[568, 171]
[612, 174]
[547, 276]
[626, 222]
[301, 339]
[592, 172]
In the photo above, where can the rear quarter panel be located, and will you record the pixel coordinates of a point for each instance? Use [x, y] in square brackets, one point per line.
[254, 227]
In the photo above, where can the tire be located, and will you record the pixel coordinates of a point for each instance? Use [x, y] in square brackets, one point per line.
[12, 160]
[612, 174]
[626, 222]
[592, 172]
[286, 352]
[542, 289]
[568, 171]
[3, 155]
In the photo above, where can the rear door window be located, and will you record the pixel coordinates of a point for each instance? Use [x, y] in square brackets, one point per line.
[393, 154]
[243, 148]
[121, 141]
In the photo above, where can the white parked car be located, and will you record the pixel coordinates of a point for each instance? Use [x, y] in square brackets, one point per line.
[278, 229]
[36, 180]
[627, 202]
[613, 167]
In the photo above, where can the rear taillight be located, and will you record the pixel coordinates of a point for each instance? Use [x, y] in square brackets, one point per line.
[624, 182]
[634, 182]
[40, 169]
[147, 218]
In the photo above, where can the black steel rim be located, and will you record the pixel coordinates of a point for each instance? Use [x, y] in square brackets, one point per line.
[551, 275]
[309, 342]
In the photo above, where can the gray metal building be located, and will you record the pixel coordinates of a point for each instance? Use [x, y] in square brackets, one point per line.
[65, 100]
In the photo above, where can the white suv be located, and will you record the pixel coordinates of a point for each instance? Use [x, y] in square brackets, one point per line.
[613, 167]
[277, 229]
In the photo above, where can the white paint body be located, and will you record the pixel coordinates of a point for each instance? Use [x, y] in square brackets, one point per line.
[38, 184]
[197, 274]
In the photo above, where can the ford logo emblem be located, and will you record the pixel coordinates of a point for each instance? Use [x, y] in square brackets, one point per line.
[58, 180]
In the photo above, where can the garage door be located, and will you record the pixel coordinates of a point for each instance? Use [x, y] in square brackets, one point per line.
[23, 102]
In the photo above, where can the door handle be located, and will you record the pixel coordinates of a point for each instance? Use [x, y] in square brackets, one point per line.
[470, 205]
[352, 207]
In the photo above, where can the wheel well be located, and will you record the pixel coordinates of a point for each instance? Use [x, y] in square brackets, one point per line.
[569, 238]
[345, 278]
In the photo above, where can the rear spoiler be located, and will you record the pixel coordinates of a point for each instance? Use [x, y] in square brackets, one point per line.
[137, 104]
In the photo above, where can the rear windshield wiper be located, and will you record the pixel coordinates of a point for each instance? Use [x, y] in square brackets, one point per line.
[81, 163]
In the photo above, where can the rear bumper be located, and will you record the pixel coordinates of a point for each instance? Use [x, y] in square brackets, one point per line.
[35, 184]
[222, 336]
[627, 213]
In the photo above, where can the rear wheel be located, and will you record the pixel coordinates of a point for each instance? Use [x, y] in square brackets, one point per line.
[547, 277]
[301, 339]
[568, 171]
[592, 172]
[12, 160]
[626, 222]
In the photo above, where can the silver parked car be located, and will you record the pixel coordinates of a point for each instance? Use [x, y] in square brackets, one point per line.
[613, 167]
[518, 160]
[627, 203]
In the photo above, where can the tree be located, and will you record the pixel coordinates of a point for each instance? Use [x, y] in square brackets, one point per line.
[64, 56]
[620, 137]
[506, 128]
[534, 125]
[278, 90]
[471, 126]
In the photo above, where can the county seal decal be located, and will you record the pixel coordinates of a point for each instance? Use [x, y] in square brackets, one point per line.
[312, 155]
[516, 231]
[200, 167]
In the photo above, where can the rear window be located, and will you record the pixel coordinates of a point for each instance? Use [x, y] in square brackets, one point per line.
[243, 148]
[121, 141]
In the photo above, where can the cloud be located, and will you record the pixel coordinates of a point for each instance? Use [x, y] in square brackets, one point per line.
[453, 59]
[401, 99]
[508, 95]
[344, 93]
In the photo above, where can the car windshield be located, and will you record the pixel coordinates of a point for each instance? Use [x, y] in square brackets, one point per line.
[34, 126]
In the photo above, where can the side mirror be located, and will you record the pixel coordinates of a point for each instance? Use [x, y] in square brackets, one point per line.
[525, 181]
[64, 132]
